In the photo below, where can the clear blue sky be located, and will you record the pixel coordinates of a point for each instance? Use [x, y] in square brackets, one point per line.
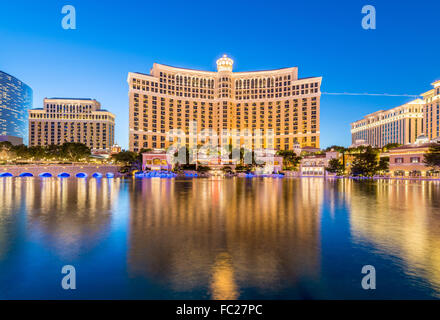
[322, 38]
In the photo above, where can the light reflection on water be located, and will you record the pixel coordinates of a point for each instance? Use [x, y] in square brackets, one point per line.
[218, 239]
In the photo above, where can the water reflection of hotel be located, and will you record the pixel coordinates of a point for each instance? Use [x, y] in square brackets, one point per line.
[398, 218]
[57, 213]
[218, 236]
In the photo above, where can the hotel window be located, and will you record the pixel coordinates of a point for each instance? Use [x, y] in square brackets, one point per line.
[399, 160]
[415, 159]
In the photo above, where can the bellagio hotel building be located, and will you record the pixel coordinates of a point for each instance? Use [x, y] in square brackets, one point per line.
[72, 120]
[171, 98]
[402, 124]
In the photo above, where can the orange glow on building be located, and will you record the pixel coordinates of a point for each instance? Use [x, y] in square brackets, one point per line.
[171, 98]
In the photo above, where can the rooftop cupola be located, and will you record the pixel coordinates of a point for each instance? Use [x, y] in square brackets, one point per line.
[225, 64]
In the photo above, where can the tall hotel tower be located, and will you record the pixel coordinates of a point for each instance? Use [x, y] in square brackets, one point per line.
[171, 98]
[72, 120]
[15, 102]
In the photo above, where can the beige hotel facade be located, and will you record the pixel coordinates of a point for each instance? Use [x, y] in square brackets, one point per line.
[72, 120]
[171, 98]
[431, 111]
[402, 124]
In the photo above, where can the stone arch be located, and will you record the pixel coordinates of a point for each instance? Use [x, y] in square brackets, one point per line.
[45, 175]
[6, 175]
[26, 174]
[64, 175]
[81, 175]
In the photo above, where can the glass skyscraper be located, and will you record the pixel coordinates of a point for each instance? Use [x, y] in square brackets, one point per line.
[15, 101]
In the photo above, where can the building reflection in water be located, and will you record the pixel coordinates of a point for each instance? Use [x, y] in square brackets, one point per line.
[66, 216]
[400, 218]
[222, 235]
[221, 239]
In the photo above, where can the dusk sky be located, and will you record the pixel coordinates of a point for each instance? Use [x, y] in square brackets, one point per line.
[322, 38]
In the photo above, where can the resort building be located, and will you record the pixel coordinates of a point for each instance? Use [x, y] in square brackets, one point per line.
[432, 111]
[72, 120]
[15, 101]
[272, 163]
[314, 165]
[407, 160]
[156, 160]
[15, 141]
[115, 149]
[402, 124]
[206, 102]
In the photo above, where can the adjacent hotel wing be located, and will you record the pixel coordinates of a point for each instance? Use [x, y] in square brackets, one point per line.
[72, 120]
[431, 111]
[172, 98]
[402, 124]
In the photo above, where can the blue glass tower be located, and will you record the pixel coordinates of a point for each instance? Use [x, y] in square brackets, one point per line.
[15, 101]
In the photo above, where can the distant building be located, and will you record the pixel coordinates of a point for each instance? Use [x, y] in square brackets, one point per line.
[314, 165]
[15, 101]
[171, 98]
[271, 162]
[12, 139]
[407, 160]
[115, 149]
[72, 120]
[431, 111]
[215, 162]
[156, 160]
[359, 143]
[402, 124]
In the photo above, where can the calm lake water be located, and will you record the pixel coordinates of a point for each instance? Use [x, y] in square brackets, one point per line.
[219, 239]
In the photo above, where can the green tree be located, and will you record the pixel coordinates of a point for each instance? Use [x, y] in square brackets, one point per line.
[244, 168]
[290, 159]
[125, 157]
[203, 169]
[144, 150]
[335, 166]
[6, 151]
[21, 151]
[432, 157]
[54, 152]
[226, 169]
[366, 163]
[390, 146]
[129, 161]
[5, 145]
[339, 149]
[383, 165]
[75, 151]
[36, 153]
